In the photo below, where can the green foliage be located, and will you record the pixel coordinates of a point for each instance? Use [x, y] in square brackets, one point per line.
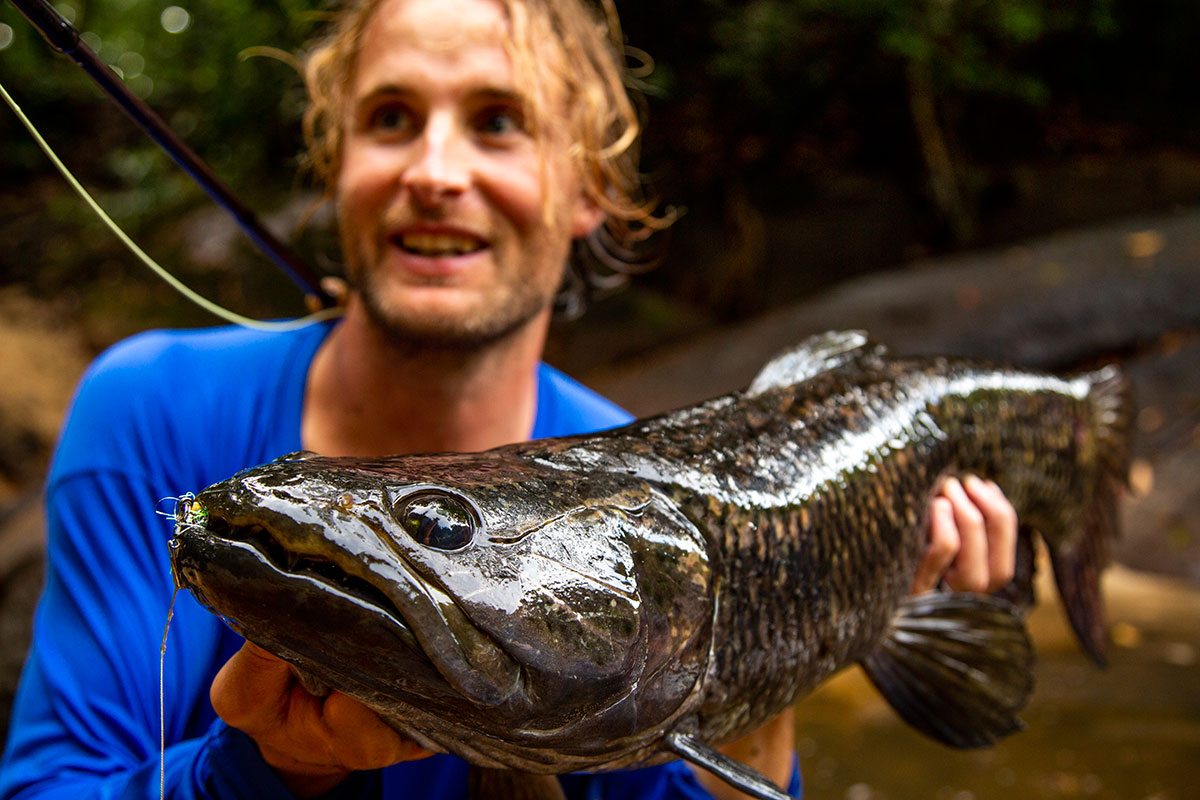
[748, 100]
[968, 45]
[239, 114]
[193, 65]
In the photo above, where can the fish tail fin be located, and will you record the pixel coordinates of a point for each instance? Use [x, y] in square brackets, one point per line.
[1078, 560]
[956, 666]
[1077, 574]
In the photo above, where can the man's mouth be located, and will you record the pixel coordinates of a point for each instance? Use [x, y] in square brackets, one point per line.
[436, 245]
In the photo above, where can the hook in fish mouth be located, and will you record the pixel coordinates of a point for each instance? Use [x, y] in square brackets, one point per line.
[189, 512]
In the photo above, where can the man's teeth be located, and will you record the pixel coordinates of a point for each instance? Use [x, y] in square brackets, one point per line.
[439, 244]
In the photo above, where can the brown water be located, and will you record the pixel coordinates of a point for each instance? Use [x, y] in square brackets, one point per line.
[1129, 732]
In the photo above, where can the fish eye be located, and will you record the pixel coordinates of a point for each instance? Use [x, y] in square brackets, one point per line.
[437, 520]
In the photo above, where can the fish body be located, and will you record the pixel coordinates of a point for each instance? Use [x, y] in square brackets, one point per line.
[620, 598]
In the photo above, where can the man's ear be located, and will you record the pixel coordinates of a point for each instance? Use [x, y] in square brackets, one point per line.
[588, 216]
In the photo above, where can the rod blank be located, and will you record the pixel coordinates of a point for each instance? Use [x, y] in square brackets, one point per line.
[63, 37]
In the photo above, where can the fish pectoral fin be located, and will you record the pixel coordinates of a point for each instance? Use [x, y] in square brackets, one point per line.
[956, 666]
[733, 772]
[485, 783]
[1077, 574]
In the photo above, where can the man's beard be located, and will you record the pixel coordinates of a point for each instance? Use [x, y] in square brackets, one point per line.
[464, 333]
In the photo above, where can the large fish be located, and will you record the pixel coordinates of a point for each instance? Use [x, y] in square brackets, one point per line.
[646, 593]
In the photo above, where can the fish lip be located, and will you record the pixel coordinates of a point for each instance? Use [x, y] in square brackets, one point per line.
[253, 536]
[256, 540]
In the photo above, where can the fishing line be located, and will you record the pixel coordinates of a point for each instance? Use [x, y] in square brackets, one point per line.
[208, 305]
[162, 714]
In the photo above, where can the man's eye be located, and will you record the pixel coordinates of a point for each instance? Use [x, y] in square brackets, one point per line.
[500, 121]
[390, 118]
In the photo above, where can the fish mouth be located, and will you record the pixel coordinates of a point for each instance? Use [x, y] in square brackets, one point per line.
[477, 668]
[293, 567]
[316, 568]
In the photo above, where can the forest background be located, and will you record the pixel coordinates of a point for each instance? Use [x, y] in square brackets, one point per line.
[1006, 178]
[806, 142]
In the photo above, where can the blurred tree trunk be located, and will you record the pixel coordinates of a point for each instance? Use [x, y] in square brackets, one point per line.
[943, 179]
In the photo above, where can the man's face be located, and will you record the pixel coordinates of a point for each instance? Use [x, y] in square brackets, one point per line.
[455, 220]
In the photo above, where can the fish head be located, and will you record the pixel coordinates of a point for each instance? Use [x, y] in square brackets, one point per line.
[525, 603]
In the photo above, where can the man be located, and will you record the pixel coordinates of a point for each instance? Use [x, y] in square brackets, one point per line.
[468, 143]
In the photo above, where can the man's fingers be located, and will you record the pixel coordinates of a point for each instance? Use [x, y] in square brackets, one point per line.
[1000, 520]
[257, 693]
[250, 692]
[373, 743]
[972, 538]
[969, 572]
[941, 547]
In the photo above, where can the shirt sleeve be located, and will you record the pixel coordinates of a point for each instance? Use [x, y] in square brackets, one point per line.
[86, 720]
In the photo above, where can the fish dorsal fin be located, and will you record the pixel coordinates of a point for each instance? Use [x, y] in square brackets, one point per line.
[297, 455]
[956, 666]
[814, 355]
[733, 772]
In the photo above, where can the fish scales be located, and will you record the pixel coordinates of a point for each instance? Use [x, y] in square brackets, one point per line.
[623, 597]
[882, 433]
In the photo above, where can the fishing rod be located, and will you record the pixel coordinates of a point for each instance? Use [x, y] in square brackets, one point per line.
[63, 37]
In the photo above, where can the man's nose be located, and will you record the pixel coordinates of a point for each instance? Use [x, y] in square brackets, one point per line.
[439, 170]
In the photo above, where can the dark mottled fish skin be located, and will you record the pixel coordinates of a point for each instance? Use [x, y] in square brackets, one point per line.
[688, 575]
[818, 541]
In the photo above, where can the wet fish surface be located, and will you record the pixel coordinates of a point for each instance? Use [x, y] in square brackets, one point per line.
[626, 597]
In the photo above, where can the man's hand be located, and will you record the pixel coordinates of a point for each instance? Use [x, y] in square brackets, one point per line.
[313, 743]
[972, 538]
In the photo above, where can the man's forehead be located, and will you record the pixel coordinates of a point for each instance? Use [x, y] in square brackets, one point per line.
[468, 37]
[448, 25]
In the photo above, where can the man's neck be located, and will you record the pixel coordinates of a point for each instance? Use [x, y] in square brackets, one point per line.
[367, 395]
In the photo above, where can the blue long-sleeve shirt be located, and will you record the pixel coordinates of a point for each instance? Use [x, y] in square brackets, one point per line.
[157, 416]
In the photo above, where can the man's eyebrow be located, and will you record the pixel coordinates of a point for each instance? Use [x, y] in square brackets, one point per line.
[502, 94]
[384, 90]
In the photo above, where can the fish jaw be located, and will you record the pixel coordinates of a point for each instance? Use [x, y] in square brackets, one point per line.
[225, 577]
[263, 556]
